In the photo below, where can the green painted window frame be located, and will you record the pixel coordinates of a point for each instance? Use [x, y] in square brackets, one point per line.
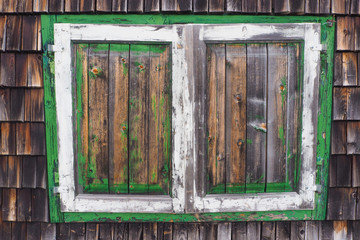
[323, 124]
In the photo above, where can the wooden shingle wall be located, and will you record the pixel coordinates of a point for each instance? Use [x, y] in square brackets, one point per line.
[23, 193]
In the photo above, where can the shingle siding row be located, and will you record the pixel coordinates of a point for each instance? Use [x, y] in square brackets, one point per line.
[23, 194]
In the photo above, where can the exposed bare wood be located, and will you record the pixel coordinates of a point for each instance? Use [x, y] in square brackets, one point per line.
[8, 139]
[29, 33]
[355, 171]
[234, 5]
[345, 33]
[353, 137]
[21, 69]
[87, 5]
[40, 5]
[37, 138]
[5, 104]
[349, 69]
[9, 204]
[17, 104]
[135, 6]
[312, 6]
[39, 207]
[29, 172]
[340, 103]
[216, 5]
[281, 6]
[72, 5]
[23, 139]
[103, 6]
[7, 70]
[338, 81]
[200, 5]
[34, 71]
[41, 174]
[338, 138]
[56, 6]
[248, 6]
[3, 32]
[324, 7]
[14, 171]
[353, 104]
[264, 6]
[24, 205]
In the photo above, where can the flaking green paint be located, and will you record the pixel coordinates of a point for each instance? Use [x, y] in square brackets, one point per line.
[324, 117]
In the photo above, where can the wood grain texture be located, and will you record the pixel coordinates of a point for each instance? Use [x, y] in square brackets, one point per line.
[18, 230]
[340, 103]
[256, 68]
[29, 172]
[312, 6]
[264, 6]
[98, 116]
[103, 5]
[281, 6]
[35, 73]
[5, 104]
[338, 6]
[200, 5]
[249, 6]
[8, 139]
[29, 33]
[234, 5]
[341, 204]
[349, 69]
[7, 70]
[24, 205]
[353, 136]
[48, 231]
[120, 5]
[235, 116]
[17, 104]
[14, 172]
[118, 117]
[40, 6]
[216, 5]
[152, 5]
[21, 69]
[138, 115]
[268, 230]
[159, 132]
[72, 5]
[355, 171]
[345, 33]
[56, 6]
[37, 105]
[278, 87]
[338, 138]
[3, 171]
[37, 138]
[343, 178]
[338, 69]
[353, 104]
[23, 139]
[324, 7]
[63, 231]
[39, 206]
[135, 6]
[41, 174]
[283, 230]
[355, 7]
[33, 231]
[3, 21]
[216, 117]
[86, 5]
[77, 231]
[9, 204]
[298, 230]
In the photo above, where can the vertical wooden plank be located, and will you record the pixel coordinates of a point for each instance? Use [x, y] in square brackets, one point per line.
[268, 230]
[3, 171]
[87, 5]
[345, 32]
[355, 7]
[235, 117]
[121, 5]
[324, 7]
[21, 69]
[264, 6]
[40, 5]
[14, 171]
[249, 6]
[13, 32]
[159, 132]
[9, 204]
[281, 6]
[152, 5]
[82, 115]
[338, 137]
[216, 5]
[283, 230]
[33, 231]
[5, 104]
[29, 33]
[340, 103]
[293, 114]
[353, 104]
[9, 6]
[8, 138]
[200, 5]
[72, 5]
[234, 5]
[216, 118]
[37, 105]
[338, 6]
[135, 6]
[103, 6]
[17, 104]
[39, 206]
[355, 171]
[349, 69]
[28, 6]
[312, 6]
[7, 70]
[118, 117]
[278, 86]
[298, 230]
[29, 172]
[253, 231]
[98, 117]
[338, 81]
[56, 6]
[2, 32]
[138, 116]
[41, 172]
[353, 137]
[23, 138]
[256, 68]
[37, 132]
[24, 205]
[34, 77]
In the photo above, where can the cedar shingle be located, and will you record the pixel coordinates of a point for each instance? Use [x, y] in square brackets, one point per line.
[353, 107]
[340, 103]
[33, 231]
[343, 170]
[355, 7]
[9, 204]
[24, 205]
[34, 74]
[63, 231]
[17, 104]
[324, 6]
[39, 205]
[235, 5]
[7, 70]
[13, 32]
[48, 231]
[23, 139]
[312, 6]
[21, 69]
[56, 6]
[338, 138]
[353, 137]
[8, 138]
[150, 5]
[2, 32]
[28, 104]
[281, 6]
[29, 33]
[87, 5]
[297, 6]
[248, 6]
[349, 69]
[14, 171]
[77, 231]
[3, 171]
[184, 5]
[72, 5]
[18, 231]
[41, 172]
[37, 139]
[341, 203]
[5, 104]
[40, 5]
[219, 5]
[338, 6]
[121, 5]
[338, 81]
[37, 105]
[356, 171]
[135, 6]
[200, 5]
[103, 5]
[29, 172]
[345, 33]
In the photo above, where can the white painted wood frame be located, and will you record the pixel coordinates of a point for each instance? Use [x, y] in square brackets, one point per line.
[181, 138]
[186, 196]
